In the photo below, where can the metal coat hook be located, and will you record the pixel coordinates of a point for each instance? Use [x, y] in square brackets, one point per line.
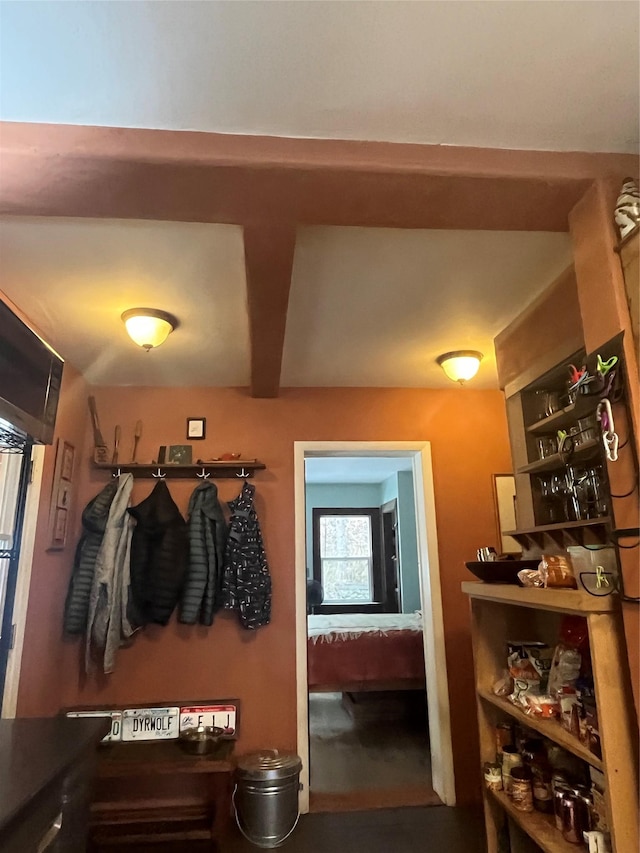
[116, 473]
[204, 475]
[159, 475]
[243, 473]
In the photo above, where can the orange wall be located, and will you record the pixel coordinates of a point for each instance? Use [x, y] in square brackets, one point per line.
[44, 656]
[468, 433]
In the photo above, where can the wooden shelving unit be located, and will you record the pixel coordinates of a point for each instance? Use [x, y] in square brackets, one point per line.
[125, 818]
[240, 468]
[501, 612]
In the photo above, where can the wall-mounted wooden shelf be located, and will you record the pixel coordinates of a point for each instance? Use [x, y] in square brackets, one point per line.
[587, 531]
[240, 468]
[558, 461]
[582, 408]
[548, 728]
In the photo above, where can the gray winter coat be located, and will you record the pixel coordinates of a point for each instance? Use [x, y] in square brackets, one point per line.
[108, 624]
[207, 533]
[94, 520]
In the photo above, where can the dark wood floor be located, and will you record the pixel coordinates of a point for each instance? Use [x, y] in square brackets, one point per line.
[407, 830]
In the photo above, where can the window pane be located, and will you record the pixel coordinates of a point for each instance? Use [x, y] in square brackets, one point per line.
[346, 581]
[345, 536]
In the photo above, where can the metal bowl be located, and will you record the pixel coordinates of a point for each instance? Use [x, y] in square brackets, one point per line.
[201, 740]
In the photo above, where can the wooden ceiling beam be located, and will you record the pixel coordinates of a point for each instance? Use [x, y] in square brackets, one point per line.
[65, 170]
[268, 253]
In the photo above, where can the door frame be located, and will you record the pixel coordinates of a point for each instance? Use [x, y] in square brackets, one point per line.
[443, 779]
[9, 700]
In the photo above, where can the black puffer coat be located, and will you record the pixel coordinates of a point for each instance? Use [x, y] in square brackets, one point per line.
[246, 582]
[94, 521]
[158, 557]
[207, 538]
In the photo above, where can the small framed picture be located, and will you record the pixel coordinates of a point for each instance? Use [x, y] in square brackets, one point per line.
[180, 454]
[66, 467]
[59, 534]
[196, 428]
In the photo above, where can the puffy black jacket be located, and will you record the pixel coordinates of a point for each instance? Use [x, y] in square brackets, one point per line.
[158, 557]
[94, 521]
[207, 539]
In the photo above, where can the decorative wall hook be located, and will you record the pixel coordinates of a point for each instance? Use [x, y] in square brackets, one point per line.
[116, 473]
[204, 475]
[159, 475]
[243, 473]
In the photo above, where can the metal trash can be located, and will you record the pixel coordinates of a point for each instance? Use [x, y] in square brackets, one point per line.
[265, 797]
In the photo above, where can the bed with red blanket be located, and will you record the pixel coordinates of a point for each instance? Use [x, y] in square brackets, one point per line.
[360, 651]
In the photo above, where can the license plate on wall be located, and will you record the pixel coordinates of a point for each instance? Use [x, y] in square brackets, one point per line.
[114, 716]
[223, 716]
[150, 724]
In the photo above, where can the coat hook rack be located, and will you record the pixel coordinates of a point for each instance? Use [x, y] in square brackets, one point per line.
[159, 475]
[203, 475]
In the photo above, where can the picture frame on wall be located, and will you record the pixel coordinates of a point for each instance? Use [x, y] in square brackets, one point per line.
[504, 495]
[61, 496]
[196, 429]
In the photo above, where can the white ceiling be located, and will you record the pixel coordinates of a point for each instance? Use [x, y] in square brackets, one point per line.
[368, 307]
[353, 469]
[546, 75]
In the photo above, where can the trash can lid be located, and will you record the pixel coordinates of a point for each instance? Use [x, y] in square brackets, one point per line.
[269, 764]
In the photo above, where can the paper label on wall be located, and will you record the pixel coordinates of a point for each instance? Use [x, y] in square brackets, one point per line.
[223, 716]
[150, 724]
[116, 722]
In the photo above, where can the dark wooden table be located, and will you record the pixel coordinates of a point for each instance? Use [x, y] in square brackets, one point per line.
[45, 771]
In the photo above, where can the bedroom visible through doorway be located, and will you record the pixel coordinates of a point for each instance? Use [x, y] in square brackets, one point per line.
[366, 555]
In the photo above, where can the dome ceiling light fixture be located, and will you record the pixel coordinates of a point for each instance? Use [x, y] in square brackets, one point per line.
[148, 327]
[460, 365]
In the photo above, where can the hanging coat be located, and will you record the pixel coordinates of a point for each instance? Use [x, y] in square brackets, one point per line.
[94, 521]
[207, 532]
[246, 582]
[158, 557]
[107, 624]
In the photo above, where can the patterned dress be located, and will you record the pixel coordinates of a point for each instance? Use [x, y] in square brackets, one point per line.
[246, 582]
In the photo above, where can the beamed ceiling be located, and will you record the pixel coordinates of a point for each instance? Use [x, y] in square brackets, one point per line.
[420, 214]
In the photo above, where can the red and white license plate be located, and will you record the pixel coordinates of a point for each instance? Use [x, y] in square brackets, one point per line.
[223, 716]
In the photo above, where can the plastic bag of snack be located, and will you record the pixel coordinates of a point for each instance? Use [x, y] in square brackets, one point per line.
[565, 668]
[544, 706]
[530, 577]
[557, 571]
[504, 685]
[529, 664]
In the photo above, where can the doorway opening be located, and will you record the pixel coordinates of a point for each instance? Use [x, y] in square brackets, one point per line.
[367, 578]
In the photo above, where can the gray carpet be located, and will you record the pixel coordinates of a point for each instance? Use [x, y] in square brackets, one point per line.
[382, 744]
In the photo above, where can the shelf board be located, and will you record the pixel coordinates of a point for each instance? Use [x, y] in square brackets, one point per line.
[583, 407]
[549, 728]
[559, 600]
[538, 826]
[158, 758]
[217, 470]
[584, 532]
[560, 460]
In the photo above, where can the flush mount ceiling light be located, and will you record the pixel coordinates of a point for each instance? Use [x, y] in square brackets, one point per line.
[460, 365]
[148, 327]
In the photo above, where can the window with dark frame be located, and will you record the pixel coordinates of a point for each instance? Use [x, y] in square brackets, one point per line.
[348, 560]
